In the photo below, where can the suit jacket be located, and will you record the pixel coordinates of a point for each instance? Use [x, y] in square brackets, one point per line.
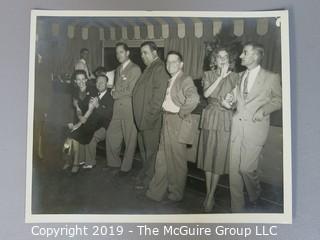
[185, 95]
[266, 95]
[103, 114]
[124, 83]
[148, 96]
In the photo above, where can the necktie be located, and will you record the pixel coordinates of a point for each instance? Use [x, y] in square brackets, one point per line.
[245, 86]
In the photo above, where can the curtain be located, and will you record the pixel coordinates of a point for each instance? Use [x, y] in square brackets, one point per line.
[64, 52]
[271, 42]
[193, 52]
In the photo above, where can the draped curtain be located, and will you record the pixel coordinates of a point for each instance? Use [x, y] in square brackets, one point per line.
[271, 42]
[63, 52]
[193, 52]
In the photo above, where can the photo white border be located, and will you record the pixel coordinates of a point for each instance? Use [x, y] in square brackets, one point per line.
[281, 218]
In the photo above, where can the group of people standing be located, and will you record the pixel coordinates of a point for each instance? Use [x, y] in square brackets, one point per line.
[153, 109]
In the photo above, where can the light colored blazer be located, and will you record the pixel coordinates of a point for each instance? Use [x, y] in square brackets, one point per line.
[185, 95]
[265, 94]
[122, 94]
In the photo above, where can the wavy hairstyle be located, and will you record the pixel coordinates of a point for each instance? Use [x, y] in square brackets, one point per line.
[232, 56]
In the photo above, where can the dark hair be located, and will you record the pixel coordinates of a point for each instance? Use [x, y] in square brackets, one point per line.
[175, 53]
[124, 45]
[231, 56]
[102, 75]
[257, 47]
[80, 72]
[84, 50]
[151, 44]
[100, 70]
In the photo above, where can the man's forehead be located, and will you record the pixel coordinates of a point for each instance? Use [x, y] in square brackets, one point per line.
[248, 48]
[146, 48]
[173, 57]
[120, 47]
[101, 78]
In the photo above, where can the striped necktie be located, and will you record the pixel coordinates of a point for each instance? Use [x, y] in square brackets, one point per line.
[245, 86]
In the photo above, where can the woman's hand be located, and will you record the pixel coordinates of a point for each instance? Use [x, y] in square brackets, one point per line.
[79, 112]
[225, 71]
[227, 101]
[76, 126]
[94, 103]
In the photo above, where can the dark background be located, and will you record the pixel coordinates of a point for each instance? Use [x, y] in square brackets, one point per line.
[305, 85]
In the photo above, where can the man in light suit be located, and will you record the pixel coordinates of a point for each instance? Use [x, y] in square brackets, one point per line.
[82, 63]
[147, 99]
[171, 164]
[256, 95]
[122, 127]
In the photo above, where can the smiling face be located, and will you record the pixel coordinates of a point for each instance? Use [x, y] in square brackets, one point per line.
[249, 57]
[148, 55]
[81, 81]
[222, 58]
[101, 83]
[173, 64]
[122, 54]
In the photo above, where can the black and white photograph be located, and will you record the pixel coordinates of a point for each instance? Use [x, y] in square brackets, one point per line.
[159, 116]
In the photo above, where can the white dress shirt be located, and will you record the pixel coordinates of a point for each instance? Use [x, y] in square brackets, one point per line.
[124, 65]
[168, 105]
[102, 94]
[253, 73]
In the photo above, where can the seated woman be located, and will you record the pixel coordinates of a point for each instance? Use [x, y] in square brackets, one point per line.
[215, 122]
[82, 130]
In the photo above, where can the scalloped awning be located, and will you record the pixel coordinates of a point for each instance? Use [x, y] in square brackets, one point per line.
[146, 28]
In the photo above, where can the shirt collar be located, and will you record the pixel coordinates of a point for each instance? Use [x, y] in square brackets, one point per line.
[103, 93]
[254, 70]
[175, 75]
[125, 64]
[83, 61]
[154, 60]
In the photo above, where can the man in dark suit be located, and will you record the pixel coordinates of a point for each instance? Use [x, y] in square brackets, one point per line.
[100, 119]
[255, 97]
[177, 131]
[147, 98]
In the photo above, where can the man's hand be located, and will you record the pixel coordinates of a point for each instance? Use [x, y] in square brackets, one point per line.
[83, 120]
[182, 115]
[76, 126]
[258, 116]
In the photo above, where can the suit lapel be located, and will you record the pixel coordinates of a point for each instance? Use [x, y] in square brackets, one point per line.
[147, 73]
[257, 84]
[127, 68]
[118, 73]
[177, 80]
